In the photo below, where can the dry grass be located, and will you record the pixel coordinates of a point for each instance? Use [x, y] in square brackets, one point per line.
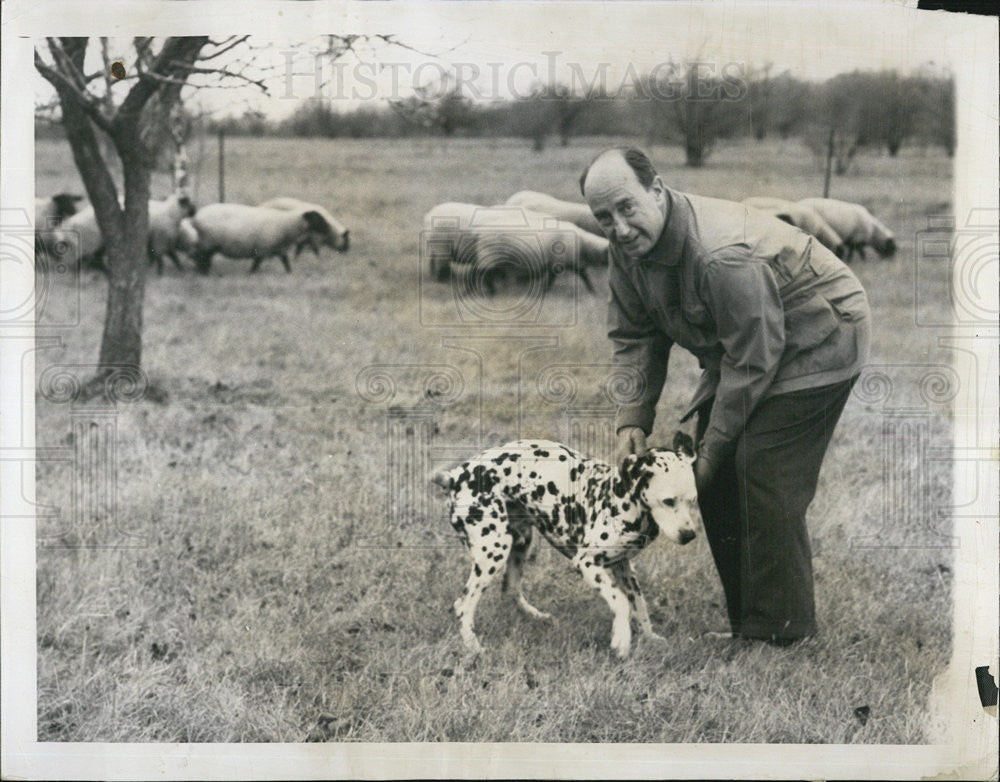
[267, 594]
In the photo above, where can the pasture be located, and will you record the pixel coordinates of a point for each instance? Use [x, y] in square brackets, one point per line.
[275, 574]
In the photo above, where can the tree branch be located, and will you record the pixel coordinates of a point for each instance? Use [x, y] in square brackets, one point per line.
[225, 47]
[65, 88]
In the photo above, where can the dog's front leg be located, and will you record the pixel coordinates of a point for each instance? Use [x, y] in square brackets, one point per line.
[603, 580]
[626, 581]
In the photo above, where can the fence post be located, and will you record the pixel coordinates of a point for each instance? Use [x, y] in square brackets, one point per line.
[829, 163]
[222, 165]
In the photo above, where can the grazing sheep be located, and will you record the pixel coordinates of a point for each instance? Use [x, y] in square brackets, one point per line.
[856, 225]
[337, 237]
[164, 228]
[489, 239]
[801, 216]
[241, 231]
[187, 236]
[576, 213]
[77, 240]
[49, 213]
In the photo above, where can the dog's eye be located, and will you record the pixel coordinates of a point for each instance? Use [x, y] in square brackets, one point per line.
[670, 502]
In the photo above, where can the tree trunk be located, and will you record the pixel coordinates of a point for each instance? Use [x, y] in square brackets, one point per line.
[121, 342]
[694, 151]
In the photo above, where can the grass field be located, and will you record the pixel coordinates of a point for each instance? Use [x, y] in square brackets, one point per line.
[264, 583]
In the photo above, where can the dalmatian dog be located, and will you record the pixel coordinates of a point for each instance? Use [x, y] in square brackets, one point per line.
[597, 516]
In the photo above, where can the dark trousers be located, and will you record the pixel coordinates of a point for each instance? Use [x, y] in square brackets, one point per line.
[755, 511]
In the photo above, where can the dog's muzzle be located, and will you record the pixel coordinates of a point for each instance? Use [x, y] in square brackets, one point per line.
[686, 536]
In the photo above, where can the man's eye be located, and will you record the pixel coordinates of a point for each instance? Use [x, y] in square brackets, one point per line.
[628, 210]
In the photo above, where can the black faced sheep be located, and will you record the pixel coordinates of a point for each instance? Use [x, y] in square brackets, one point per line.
[856, 225]
[337, 237]
[240, 231]
[164, 228]
[49, 214]
[801, 216]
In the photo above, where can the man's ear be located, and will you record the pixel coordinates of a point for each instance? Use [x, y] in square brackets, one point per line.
[683, 444]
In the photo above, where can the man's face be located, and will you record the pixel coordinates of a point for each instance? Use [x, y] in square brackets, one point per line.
[630, 215]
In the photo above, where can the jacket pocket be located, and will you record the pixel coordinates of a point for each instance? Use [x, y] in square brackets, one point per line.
[809, 321]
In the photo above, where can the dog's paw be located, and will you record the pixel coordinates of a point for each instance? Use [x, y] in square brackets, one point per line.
[620, 645]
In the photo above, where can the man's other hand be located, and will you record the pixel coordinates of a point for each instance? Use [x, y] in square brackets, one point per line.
[631, 439]
[704, 471]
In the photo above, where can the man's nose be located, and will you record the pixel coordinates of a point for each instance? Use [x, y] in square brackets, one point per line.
[621, 227]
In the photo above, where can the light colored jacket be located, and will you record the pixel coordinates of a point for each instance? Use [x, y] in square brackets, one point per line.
[765, 308]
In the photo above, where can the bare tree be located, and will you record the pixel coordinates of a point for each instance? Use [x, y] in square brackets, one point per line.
[759, 88]
[123, 110]
[695, 104]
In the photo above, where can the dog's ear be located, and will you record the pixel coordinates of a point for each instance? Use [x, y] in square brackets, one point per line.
[625, 472]
[683, 444]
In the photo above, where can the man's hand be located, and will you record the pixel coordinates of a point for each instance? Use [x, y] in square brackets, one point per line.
[631, 439]
[704, 471]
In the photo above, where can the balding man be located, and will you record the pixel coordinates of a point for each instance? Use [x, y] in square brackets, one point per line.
[781, 329]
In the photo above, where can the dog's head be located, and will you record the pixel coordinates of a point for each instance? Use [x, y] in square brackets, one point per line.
[663, 482]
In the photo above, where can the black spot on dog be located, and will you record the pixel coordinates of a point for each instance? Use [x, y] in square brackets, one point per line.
[552, 488]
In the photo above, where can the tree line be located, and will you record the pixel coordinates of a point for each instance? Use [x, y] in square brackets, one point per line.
[690, 105]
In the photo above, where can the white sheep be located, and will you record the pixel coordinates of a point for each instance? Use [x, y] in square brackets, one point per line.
[77, 240]
[49, 213]
[576, 213]
[164, 228]
[337, 237]
[856, 225]
[487, 240]
[801, 216]
[240, 231]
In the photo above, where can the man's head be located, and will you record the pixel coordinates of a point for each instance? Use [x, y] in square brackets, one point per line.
[627, 197]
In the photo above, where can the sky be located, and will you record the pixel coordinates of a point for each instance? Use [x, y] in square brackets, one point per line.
[500, 50]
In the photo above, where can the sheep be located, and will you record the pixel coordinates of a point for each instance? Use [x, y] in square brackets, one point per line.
[576, 213]
[187, 236]
[804, 217]
[485, 239]
[856, 225]
[49, 213]
[241, 231]
[77, 240]
[337, 237]
[164, 224]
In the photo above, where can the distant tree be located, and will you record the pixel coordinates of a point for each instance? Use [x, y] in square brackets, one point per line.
[788, 104]
[439, 108]
[567, 108]
[697, 106]
[759, 84]
[892, 108]
[935, 122]
[840, 124]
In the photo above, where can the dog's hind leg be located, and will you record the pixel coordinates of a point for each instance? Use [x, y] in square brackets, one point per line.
[626, 581]
[515, 565]
[603, 581]
[486, 532]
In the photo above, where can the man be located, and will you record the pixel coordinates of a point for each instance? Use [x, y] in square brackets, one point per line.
[781, 329]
